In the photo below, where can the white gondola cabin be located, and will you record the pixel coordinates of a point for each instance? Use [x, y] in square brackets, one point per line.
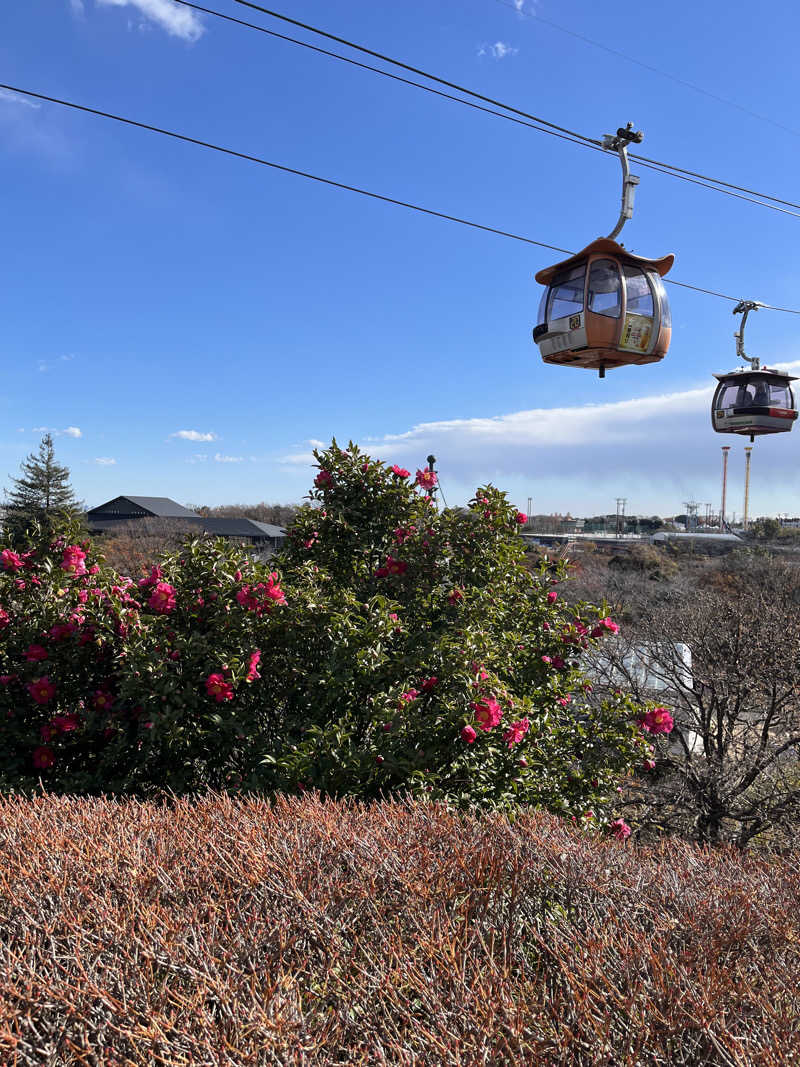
[752, 400]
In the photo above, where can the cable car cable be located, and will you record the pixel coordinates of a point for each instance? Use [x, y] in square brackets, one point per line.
[588, 141]
[648, 66]
[335, 184]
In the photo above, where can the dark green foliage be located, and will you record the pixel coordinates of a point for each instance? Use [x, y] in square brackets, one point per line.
[41, 496]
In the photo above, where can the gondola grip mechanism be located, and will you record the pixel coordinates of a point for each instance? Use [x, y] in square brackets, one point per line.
[743, 308]
[619, 143]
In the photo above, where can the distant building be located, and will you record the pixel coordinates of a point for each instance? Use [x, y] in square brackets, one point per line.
[129, 509]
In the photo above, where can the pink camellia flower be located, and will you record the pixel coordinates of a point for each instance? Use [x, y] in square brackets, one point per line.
[7, 679]
[547, 659]
[247, 598]
[103, 700]
[454, 596]
[522, 518]
[387, 727]
[273, 590]
[154, 576]
[42, 690]
[487, 713]
[162, 599]
[428, 684]
[409, 696]
[5, 619]
[217, 687]
[558, 663]
[36, 653]
[18, 582]
[619, 829]
[427, 480]
[65, 724]
[324, 480]
[515, 733]
[605, 626]
[72, 560]
[43, 757]
[400, 472]
[649, 764]
[657, 721]
[468, 734]
[11, 561]
[46, 732]
[252, 666]
[552, 597]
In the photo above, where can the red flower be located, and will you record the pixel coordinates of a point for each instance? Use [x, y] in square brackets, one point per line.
[657, 721]
[5, 619]
[515, 733]
[252, 665]
[43, 757]
[605, 626]
[42, 690]
[162, 599]
[619, 829]
[427, 480]
[11, 561]
[217, 687]
[324, 480]
[487, 713]
[400, 472]
[36, 653]
[103, 700]
[408, 697]
[155, 576]
[65, 724]
[468, 734]
[72, 560]
[428, 684]
[454, 596]
[522, 518]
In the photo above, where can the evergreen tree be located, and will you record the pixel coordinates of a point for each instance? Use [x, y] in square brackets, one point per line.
[41, 495]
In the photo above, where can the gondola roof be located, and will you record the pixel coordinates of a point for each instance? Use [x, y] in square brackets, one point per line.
[757, 372]
[611, 248]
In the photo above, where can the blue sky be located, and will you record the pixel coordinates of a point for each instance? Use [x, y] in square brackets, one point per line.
[190, 325]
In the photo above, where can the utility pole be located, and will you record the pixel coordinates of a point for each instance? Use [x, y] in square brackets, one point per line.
[691, 514]
[747, 451]
[530, 509]
[621, 502]
[725, 450]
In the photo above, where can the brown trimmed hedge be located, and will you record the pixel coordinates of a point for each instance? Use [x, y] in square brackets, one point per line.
[233, 932]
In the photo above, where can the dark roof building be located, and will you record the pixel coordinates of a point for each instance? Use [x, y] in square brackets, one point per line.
[140, 507]
[122, 509]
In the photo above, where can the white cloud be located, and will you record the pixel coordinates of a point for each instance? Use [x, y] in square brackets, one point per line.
[197, 457]
[219, 458]
[518, 4]
[498, 50]
[105, 461]
[15, 98]
[656, 450]
[69, 431]
[77, 8]
[194, 435]
[177, 21]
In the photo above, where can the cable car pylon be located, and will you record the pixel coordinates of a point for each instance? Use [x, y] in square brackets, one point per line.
[605, 307]
[752, 400]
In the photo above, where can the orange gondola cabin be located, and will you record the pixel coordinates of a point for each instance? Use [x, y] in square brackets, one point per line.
[603, 308]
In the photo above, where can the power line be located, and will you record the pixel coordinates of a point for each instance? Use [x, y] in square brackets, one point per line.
[591, 142]
[332, 182]
[650, 67]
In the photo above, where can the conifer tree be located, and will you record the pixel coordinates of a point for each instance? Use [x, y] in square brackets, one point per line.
[42, 494]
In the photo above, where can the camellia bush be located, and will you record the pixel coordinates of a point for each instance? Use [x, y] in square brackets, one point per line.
[113, 685]
[391, 648]
[419, 654]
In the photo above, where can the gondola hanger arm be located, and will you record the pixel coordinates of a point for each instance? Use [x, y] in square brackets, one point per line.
[743, 308]
[619, 143]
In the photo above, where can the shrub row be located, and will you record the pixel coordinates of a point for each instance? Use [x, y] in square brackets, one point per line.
[307, 931]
